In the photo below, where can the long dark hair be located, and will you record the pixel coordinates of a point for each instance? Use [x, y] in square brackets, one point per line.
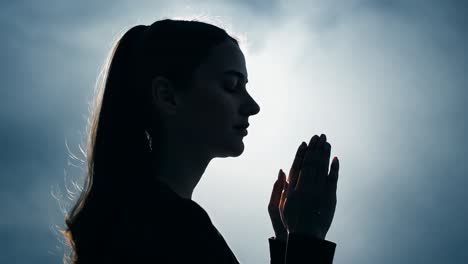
[122, 132]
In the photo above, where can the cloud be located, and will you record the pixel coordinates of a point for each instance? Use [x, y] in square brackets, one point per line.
[385, 80]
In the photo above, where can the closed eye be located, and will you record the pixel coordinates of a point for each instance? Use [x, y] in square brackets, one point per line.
[231, 85]
[235, 89]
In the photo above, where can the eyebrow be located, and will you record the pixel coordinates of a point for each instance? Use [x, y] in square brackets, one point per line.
[237, 74]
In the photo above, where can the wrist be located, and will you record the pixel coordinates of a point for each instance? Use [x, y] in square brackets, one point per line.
[310, 233]
[314, 235]
[282, 237]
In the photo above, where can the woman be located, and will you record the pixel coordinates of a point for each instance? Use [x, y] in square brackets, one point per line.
[173, 99]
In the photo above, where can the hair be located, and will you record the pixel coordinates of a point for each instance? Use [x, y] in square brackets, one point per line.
[122, 132]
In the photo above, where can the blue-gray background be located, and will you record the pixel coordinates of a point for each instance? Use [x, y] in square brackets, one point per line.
[385, 80]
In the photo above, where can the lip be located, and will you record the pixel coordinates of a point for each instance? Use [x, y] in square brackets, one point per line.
[242, 131]
[242, 126]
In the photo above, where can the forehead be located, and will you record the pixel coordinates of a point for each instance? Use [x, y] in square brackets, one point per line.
[226, 56]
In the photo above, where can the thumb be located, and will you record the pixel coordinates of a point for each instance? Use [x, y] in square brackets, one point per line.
[277, 190]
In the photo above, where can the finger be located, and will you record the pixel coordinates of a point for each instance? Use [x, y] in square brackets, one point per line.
[276, 192]
[296, 166]
[326, 157]
[333, 177]
[309, 164]
[324, 162]
[284, 195]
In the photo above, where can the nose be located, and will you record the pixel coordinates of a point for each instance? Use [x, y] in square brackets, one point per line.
[251, 107]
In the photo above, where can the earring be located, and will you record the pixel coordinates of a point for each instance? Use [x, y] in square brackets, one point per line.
[150, 141]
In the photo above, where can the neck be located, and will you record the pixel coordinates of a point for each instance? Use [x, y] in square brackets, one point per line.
[180, 167]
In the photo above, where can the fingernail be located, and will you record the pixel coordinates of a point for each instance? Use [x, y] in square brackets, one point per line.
[323, 137]
[280, 175]
[312, 141]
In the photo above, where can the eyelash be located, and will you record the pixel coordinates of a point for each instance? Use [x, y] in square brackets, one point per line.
[231, 88]
[236, 88]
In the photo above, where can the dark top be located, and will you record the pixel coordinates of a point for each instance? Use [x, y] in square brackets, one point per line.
[181, 232]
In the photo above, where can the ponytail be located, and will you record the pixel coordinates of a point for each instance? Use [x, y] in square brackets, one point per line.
[123, 131]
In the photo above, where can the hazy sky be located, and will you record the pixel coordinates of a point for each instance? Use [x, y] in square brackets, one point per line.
[386, 81]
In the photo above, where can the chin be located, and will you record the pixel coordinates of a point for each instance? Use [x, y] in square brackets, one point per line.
[232, 150]
[238, 150]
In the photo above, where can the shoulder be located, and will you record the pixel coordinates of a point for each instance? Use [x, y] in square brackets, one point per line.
[180, 233]
[172, 217]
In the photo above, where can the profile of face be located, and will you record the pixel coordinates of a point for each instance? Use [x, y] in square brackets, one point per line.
[207, 116]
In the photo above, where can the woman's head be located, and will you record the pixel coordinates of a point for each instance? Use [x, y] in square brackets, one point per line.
[170, 81]
[205, 115]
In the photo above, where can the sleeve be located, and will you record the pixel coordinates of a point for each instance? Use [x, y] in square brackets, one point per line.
[277, 250]
[301, 249]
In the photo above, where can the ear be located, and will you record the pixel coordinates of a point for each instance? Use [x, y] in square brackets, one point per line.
[163, 95]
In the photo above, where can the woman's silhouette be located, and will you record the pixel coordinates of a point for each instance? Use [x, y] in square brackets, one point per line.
[174, 98]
